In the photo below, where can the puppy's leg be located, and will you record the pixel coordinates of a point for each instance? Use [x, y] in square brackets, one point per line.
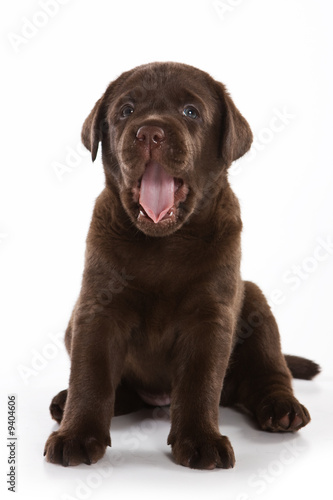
[202, 355]
[57, 405]
[259, 379]
[97, 355]
[126, 401]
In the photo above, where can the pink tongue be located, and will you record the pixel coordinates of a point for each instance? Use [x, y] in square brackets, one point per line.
[157, 191]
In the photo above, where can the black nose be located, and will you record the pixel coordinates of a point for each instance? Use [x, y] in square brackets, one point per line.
[150, 135]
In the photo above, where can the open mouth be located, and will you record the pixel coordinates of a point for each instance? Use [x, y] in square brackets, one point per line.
[159, 194]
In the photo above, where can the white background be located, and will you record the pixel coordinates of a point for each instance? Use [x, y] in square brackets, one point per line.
[275, 57]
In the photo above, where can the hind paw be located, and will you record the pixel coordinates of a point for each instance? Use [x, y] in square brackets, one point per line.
[57, 406]
[282, 413]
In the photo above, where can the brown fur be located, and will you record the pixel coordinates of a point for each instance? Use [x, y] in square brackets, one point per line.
[163, 309]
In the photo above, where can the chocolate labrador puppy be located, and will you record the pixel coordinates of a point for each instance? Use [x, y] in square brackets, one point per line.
[163, 316]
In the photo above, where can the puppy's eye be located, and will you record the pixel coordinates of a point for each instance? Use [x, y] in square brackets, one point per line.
[127, 110]
[191, 112]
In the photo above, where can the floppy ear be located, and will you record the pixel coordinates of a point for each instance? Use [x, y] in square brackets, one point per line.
[94, 127]
[236, 136]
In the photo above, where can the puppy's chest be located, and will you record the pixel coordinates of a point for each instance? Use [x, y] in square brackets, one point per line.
[150, 347]
[165, 267]
[157, 324]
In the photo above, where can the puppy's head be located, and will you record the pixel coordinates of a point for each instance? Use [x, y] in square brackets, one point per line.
[168, 131]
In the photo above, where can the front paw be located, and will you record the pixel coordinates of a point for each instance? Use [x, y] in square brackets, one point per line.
[202, 452]
[72, 448]
[282, 413]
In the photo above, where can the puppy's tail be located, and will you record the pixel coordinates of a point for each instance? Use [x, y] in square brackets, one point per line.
[301, 367]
